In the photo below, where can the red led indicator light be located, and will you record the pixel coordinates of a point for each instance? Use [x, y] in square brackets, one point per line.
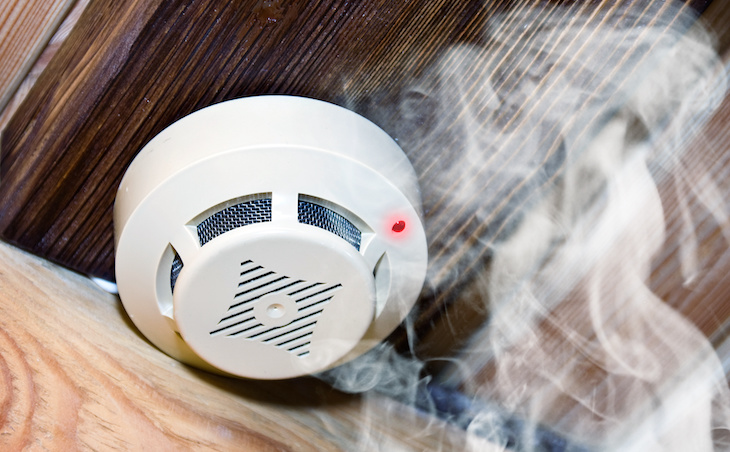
[399, 226]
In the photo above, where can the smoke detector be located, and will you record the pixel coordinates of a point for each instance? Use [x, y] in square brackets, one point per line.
[269, 237]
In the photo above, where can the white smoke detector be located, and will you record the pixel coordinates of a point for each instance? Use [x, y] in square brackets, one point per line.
[269, 237]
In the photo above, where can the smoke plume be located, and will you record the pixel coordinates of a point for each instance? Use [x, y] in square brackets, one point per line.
[541, 156]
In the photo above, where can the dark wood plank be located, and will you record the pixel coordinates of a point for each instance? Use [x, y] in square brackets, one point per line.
[127, 71]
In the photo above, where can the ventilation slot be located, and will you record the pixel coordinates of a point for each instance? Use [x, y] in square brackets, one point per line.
[177, 265]
[242, 214]
[317, 215]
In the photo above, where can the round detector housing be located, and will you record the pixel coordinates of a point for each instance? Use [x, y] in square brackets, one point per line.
[269, 237]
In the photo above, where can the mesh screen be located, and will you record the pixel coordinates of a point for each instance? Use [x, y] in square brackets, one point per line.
[245, 213]
[177, 265]
[329, 220]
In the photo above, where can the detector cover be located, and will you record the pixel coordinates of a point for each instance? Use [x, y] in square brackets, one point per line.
[269, 237]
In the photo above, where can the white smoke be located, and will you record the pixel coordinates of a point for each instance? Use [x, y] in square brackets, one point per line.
[540, 156]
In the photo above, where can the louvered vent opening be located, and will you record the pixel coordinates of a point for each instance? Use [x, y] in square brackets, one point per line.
[315, 214]
[251, 211]
[177, 265]
[257, 209]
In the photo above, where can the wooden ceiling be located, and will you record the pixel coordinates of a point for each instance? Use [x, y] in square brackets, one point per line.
[130, 69]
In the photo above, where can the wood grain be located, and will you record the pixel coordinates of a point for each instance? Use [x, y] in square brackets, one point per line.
[25, 28]
[137, 67]
[74, 375]
[41, 62]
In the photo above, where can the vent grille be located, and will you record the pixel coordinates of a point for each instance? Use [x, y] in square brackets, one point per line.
[316, 215]
[177, 265]
[255, 283]
[242, 214]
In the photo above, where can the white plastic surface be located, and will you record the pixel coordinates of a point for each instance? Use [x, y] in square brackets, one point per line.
[286, 147]
[326, 320]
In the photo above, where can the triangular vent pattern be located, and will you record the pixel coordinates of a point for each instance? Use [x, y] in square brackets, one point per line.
[255, 283]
